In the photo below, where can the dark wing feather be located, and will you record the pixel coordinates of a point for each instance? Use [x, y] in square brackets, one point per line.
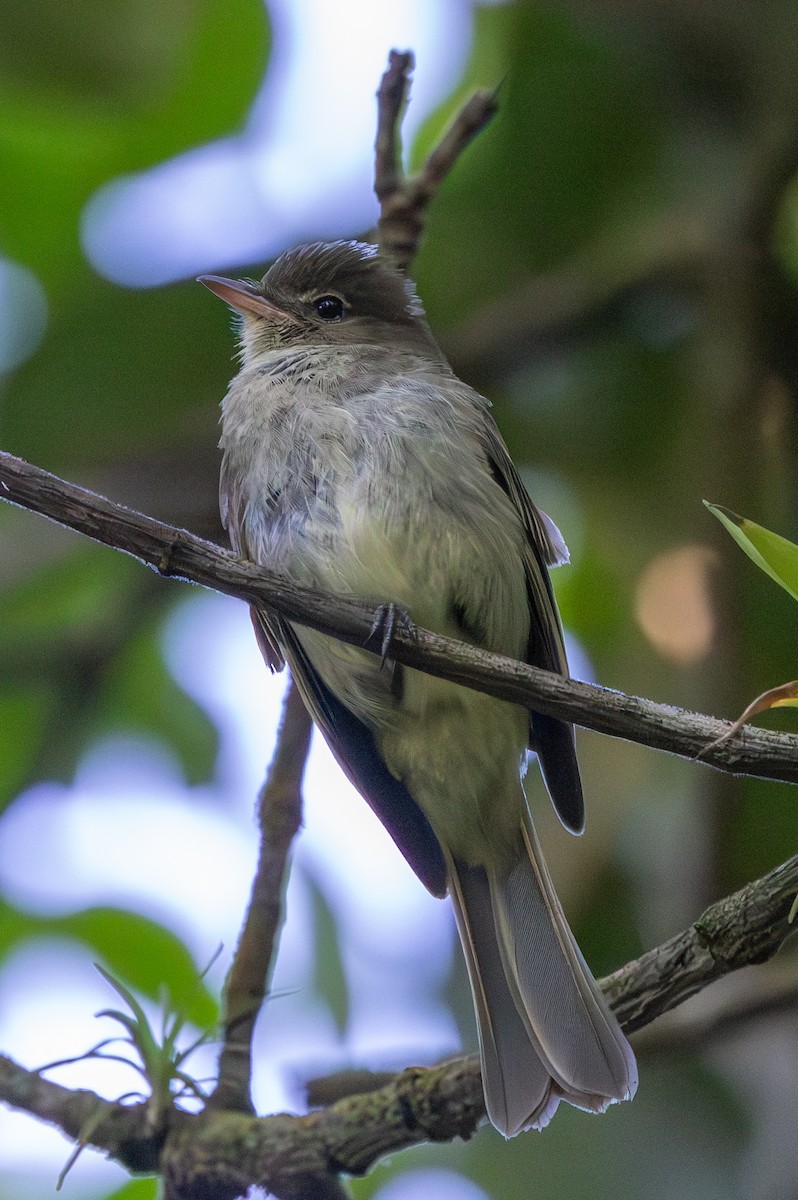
[231, 508]
[353, 746]
[552, 739]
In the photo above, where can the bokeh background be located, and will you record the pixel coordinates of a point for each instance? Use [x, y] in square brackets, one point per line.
[614, 263]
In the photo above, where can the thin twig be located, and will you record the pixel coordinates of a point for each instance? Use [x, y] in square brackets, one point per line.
[472, 118]
[403, 200]
[284, 1154]
[392, 97]
[177, 553]
[280, 815]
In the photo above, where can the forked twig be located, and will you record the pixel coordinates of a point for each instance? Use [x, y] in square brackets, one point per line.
[403, 200]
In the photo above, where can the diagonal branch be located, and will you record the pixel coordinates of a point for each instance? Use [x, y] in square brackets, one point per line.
[177, 553]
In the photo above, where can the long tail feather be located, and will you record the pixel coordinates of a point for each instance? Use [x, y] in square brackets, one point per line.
[546, 1032]
[517, 1085]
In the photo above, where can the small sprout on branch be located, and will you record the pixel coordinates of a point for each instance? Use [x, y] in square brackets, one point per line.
[160, 1060]
[778, 558]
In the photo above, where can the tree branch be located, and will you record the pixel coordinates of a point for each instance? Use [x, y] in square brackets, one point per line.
[222, 1153]
[403, 202]
[122, 1130]
[177, 553]
[279, 818]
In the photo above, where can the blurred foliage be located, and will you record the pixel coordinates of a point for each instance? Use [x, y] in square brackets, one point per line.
[330, 978]
[133, 947]
[91, 93]
[81, 657]
[614, 263]
[136, 1189]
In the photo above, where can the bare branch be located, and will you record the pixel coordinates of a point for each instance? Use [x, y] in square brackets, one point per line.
[470, 120]
[403, 201]
[280, 815]
[177, 553]
[392, 97]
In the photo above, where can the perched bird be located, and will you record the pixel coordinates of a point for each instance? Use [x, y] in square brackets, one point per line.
[356, 462]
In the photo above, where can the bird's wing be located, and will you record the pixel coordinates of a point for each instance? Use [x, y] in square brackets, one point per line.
[352, 744]
[552, 739]
[231, 509]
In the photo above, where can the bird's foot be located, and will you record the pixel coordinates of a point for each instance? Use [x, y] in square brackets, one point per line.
[387, 618]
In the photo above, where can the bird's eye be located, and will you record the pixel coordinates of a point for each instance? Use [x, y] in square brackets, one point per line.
[329, 308]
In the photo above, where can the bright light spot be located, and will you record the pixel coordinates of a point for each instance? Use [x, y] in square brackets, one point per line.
[23, 314]
[121, 835]
[674, 605]
[399, 939]
[302, 167]
[43, 1023]
[210, 648]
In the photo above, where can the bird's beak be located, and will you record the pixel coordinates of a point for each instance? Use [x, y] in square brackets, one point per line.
[242, 297]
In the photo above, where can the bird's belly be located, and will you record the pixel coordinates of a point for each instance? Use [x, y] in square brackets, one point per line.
[459, 752]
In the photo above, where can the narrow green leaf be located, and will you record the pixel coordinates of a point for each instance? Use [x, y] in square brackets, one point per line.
[774, 555]
[330, 977]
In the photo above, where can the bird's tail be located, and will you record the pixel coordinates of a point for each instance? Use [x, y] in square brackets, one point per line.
[545, 1031]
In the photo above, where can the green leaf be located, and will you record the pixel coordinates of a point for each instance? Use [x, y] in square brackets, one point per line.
[330, 979]
[75, 600]
[136, 1189]
[140, 694]
[15, 927]
[146, 955]
[774, 555]
[142, 952]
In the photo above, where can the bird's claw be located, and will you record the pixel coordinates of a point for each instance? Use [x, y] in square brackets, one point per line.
[387, 617]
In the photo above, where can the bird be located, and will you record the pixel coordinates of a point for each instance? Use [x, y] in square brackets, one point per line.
[355, 462]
